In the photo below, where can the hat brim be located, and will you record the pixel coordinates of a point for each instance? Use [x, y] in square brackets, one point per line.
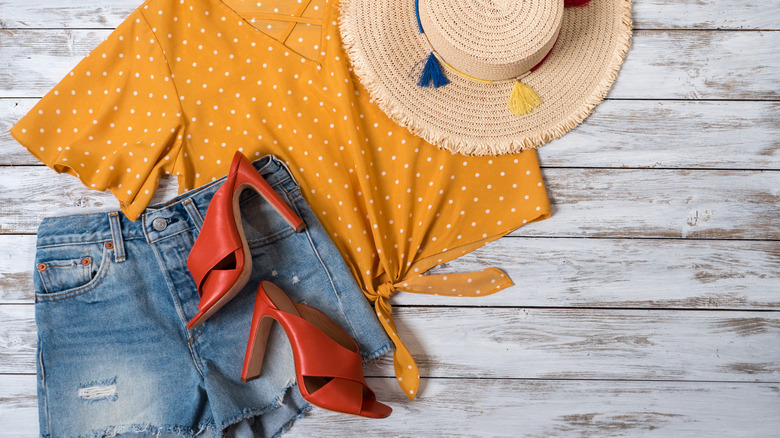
[469, 117]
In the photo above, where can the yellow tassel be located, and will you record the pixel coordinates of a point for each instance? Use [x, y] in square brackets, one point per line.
[523, 99]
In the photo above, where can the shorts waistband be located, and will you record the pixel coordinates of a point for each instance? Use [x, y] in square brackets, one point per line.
[156, 222]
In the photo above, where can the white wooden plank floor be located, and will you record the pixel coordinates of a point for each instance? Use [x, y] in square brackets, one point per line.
[647, 305]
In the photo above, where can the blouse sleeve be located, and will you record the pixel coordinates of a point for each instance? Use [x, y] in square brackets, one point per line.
[114, 121]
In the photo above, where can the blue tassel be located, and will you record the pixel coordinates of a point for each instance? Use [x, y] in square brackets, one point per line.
[432, 74]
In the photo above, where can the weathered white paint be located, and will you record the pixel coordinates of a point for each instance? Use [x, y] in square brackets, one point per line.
[563, 272]
[722, 204]
[706, 14]
[647, 14]
[545, 408]
[620, 133]
[17, 255]
[681, 65]
[582, 276]
[509, 408]
[522, 343]
[660, 65]
[18, 406]
[661, 203]
[627, 273]
[672, 134]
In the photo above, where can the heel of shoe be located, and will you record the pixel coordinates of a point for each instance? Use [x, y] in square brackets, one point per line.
[328, 366]
[247, 174]
[255, 349]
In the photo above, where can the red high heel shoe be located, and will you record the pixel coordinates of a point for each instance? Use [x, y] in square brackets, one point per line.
[220, 261]
[327, 364]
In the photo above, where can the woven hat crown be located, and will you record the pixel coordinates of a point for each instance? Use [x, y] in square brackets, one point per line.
[556, 59]
[491, 39]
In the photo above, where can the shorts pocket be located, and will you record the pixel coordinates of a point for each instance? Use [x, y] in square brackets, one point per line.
[71, 270]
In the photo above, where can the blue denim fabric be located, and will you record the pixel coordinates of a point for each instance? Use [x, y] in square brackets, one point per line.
[113, 298]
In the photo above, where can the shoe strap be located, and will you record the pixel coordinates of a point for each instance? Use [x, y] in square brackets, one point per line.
[216, 282]
[340, 395]
[218, 238]
[319, 355]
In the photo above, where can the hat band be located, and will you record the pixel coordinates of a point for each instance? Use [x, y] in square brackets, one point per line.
[523, 99]
[488, 81]
[494, 73]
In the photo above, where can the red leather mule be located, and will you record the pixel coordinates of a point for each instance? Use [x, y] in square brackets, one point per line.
[327, 363]
[220, 261]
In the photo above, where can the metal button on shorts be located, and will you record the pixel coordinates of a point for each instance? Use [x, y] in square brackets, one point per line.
[159, 224]
[113, 298]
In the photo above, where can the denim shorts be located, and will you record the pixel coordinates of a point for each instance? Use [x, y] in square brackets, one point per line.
[113, 297]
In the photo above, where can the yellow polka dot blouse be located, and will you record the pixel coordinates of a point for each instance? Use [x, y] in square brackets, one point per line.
[181, 85]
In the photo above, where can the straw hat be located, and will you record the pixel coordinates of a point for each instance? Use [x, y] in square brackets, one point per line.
[487, 77]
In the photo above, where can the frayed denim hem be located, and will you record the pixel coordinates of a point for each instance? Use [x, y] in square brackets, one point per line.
[208, 429]
[277, 403]
[289, 424]
[376, 354]
[112, 431]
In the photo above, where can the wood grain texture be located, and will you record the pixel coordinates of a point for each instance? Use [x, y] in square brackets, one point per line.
[18, 406]
[523, 343]
[29, 205]
[672, 134]
[660, 64]
[540, 409]
[647, 305]
[660, 203]
[18, 339]
[588, 344]
[681, 65]
[628, 273]
[586, 202]
[620, 133]
[706, 14]
[17, 257]
[510, 408]
[563, 272]
[647, 14]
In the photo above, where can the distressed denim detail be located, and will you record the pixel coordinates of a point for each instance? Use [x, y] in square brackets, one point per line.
[114, 355]
[98, 390]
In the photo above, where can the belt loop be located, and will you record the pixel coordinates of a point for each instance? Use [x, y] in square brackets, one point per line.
[195, 215]
[284, 165]
[116, 236]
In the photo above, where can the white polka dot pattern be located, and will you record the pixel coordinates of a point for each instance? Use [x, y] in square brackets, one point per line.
[117, 109]
[197, 81]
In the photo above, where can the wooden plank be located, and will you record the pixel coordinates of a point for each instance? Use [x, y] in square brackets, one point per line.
[589, 344]
[36, 60]
[484, 408]
[660, 65]
[672, 134]
[17, 258]
[647, 14]
[47, 188]
[536, 408]
[537, 344]
[647, 273]
[621, 133]
[548, 343]
[11, 152]
[18, 406]
[705, 14]
[18, 339]
[660, 203]
[72, 14]
[700, 65]
[644, 273]
[711, 204]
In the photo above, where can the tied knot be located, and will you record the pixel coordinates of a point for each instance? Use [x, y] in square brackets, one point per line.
[385, 290]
